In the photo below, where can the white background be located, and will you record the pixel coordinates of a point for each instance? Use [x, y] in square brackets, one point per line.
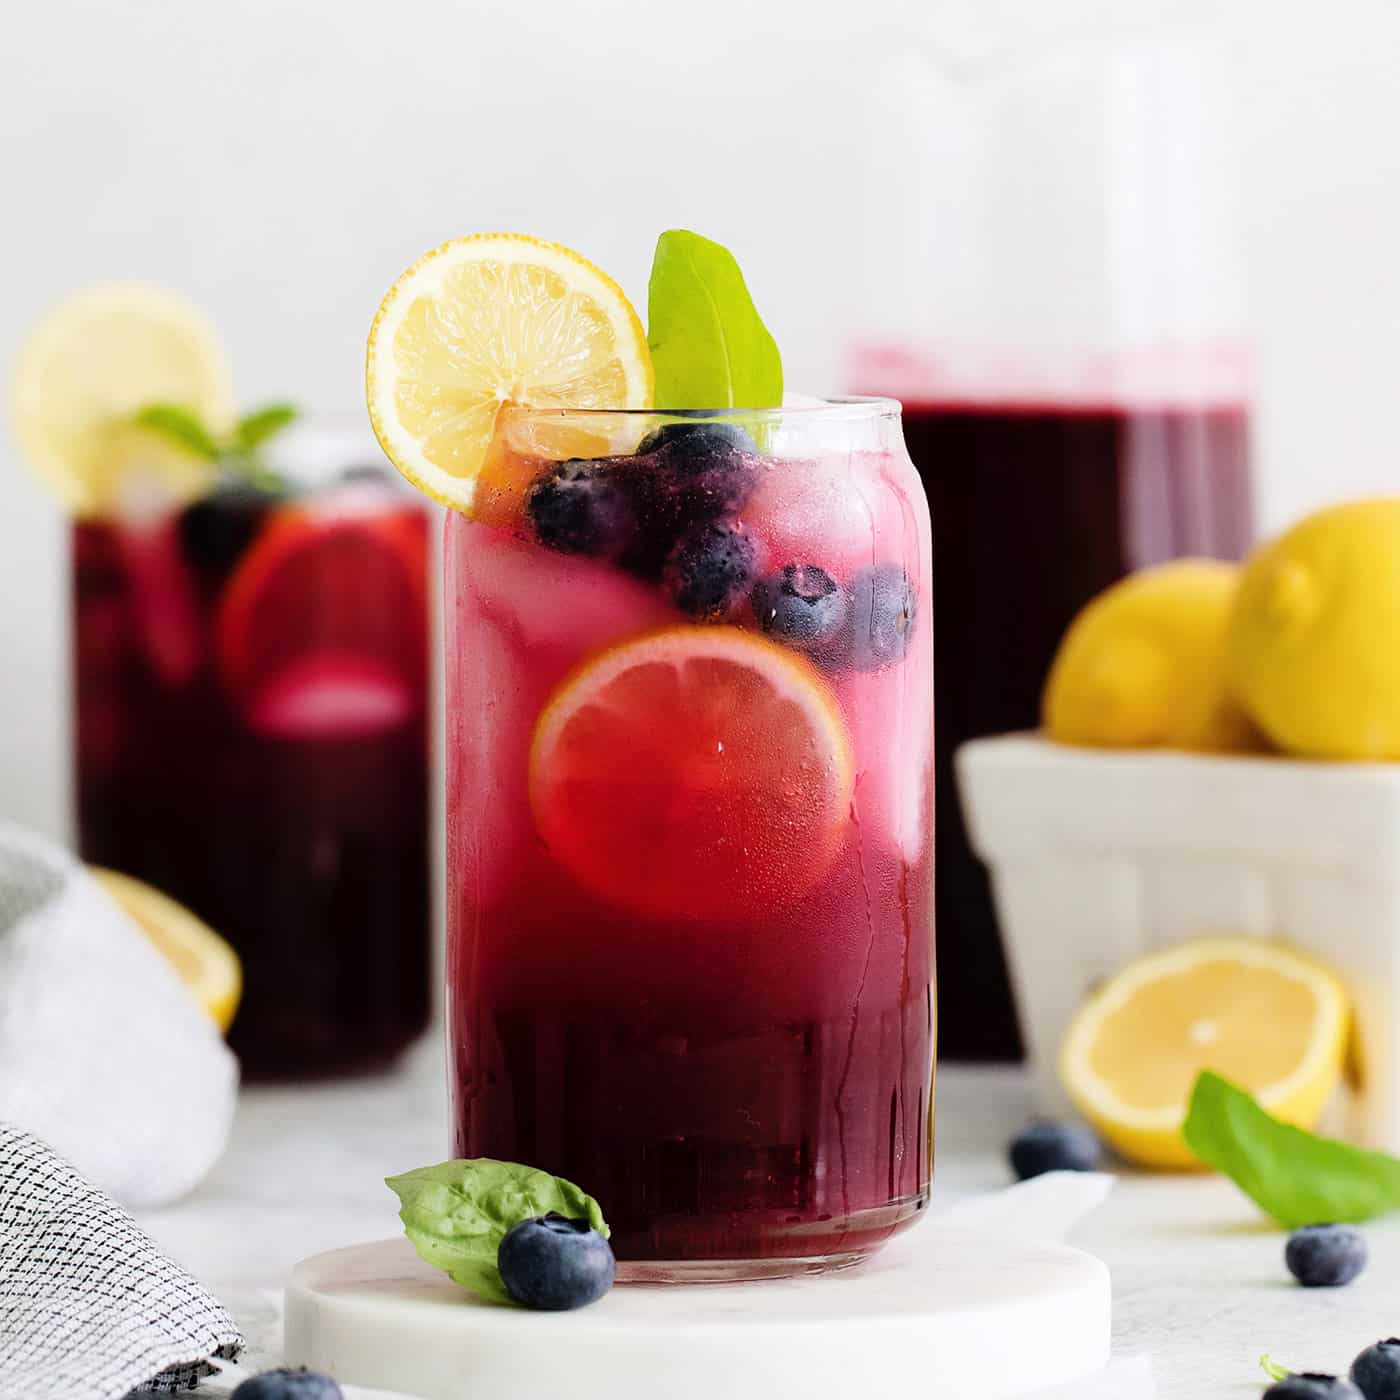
[280, 163]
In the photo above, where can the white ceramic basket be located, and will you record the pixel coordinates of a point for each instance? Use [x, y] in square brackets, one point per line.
[1099, 856]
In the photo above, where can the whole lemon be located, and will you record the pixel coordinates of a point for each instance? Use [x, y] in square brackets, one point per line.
[1143, 664]
[1314, 647]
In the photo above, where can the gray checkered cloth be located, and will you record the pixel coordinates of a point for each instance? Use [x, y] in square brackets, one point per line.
[90, 1309]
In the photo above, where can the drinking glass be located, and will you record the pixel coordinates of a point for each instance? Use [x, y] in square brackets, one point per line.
[690, 950]
[251, 734]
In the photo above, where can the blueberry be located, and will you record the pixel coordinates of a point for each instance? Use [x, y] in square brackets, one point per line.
[699, 442]
[218, 527]
[1376, 1372]
[883, 608]
[288, 1385]
[711, 569]
[683, 476]
[701, 471]
[801, 605]
[555, 1264]
[583, 507]
[1325, 1256]
[1312, 1385]
[1054, 1147]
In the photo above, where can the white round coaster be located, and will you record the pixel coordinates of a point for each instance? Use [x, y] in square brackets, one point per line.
[946, 1312]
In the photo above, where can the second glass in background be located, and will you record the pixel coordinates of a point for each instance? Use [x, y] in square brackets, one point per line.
[251, 677]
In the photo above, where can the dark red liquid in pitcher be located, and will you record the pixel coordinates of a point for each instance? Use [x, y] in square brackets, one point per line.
[1036, 508]
[251, 739]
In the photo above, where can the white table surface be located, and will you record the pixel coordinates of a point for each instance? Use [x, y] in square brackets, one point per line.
[1198, 1276]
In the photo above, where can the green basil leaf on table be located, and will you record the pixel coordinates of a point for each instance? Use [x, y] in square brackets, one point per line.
[1294, 1176]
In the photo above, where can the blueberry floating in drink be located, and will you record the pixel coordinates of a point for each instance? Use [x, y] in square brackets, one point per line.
[710, 570]
[884, 607]
[802, 606]
[583, 507]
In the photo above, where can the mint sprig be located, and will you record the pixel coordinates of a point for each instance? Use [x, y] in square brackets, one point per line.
[181, 426]
[709, 346]
[238, 451]
[255, 428]
[457, 1213]
[1294, 1176]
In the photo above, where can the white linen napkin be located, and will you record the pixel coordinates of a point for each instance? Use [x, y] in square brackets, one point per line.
[104, 1054]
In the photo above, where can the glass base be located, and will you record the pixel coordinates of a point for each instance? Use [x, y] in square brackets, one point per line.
[654, 1271]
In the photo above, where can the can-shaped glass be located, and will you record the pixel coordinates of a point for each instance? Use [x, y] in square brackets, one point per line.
[689, 821]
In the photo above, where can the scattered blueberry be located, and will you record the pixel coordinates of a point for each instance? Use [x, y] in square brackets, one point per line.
[883, 606]
[801, 605]
[1325, 1256]
[288, 1385]
[1376, 1372]
[554, 1264]
[1312, 1385]
[711, 569]
[1054, 1147]
[699, 442]
[218, 527]
[581, 507]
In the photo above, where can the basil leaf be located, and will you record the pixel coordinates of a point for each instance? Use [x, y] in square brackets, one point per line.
[457, 1213]
[709, 346]
[254, 429]
[181, 426]
[1272, 1369]
[1296, 1177]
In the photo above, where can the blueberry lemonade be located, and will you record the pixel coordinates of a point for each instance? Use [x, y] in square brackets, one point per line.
[250, 677]
[689, 705]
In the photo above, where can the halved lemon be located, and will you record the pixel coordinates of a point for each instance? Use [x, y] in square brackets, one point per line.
[693, 773]
[486, 320]
[1257, 1012]
[205, 963]
[89, 365]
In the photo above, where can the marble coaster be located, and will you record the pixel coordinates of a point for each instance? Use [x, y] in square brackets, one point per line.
[950, 1311]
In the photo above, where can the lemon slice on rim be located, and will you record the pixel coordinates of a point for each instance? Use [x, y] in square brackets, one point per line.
[486, 320]
[206, 964]
[1257, 1012]
[89, 365]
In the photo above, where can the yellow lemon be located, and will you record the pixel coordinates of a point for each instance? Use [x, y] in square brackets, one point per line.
[487, 320]
[206, 964]
[1264, 1016]
[1142, 666]
[84, 371]
[1314, 645]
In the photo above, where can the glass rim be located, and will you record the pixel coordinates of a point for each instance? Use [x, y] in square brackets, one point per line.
[843, 408]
